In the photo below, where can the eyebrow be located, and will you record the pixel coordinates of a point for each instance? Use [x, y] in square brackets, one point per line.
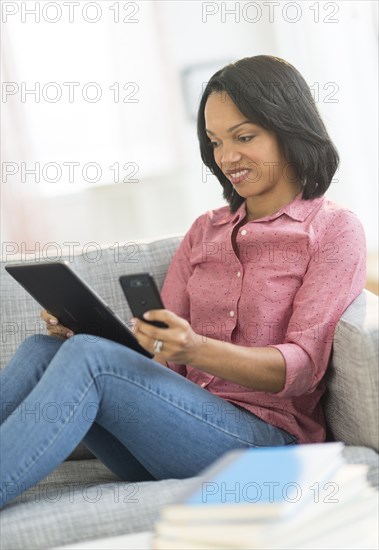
[233, 127]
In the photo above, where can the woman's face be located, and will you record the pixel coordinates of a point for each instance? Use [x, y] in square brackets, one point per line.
[248, 154]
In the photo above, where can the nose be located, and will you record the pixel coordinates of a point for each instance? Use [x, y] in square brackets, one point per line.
[229, 156]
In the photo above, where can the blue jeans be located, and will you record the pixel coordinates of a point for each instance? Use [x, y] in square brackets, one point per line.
[141, 419]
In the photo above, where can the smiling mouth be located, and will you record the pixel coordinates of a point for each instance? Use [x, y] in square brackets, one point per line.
[237, 177]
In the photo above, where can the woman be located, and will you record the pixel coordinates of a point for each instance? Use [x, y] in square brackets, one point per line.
[252, 296]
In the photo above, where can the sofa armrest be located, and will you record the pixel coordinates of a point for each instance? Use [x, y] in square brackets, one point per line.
[351, 400]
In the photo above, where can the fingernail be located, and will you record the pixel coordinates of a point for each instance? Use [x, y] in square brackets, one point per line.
[69, 334]
[53, 321]
[146, 315]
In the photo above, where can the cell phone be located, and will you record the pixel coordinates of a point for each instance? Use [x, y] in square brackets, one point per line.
[142, 294]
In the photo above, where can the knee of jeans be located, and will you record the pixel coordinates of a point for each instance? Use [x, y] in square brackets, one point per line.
[37, 339]
[89, 346]
[82, 344]
[83, 339]
[40, 342]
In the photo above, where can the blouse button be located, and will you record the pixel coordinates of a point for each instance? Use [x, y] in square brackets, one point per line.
[243, 232]
[238, 274]
[231, 313]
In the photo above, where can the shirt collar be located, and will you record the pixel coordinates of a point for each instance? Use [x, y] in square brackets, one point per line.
[298, 209]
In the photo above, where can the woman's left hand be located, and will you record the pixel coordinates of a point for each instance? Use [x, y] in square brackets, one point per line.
[180, 343]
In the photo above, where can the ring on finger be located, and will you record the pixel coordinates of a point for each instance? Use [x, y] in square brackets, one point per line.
[158, 344]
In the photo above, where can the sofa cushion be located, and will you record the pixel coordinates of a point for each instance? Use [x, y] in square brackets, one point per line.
[351, 402]
[80, 453]
[363, 455]
[83, 500]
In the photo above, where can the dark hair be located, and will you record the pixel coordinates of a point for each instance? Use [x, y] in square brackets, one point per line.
[272, 93]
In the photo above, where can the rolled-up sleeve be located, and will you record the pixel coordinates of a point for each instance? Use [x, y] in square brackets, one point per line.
[335, 276]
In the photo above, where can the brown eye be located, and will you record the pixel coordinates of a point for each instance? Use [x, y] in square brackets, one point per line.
[246, 139]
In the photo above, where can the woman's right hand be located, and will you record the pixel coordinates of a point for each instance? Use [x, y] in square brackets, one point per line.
[53, 326]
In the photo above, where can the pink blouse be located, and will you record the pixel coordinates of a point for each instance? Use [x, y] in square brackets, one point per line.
[296, 272]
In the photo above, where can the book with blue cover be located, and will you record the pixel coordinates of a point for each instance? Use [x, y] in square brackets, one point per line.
[296, 497]
[259, 483]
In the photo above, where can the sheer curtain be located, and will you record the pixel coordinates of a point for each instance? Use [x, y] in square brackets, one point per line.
[84, 103]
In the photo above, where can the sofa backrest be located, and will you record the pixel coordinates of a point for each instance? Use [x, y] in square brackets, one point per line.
[351, 401]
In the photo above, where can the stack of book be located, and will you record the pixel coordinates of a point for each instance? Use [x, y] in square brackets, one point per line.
[294, 497]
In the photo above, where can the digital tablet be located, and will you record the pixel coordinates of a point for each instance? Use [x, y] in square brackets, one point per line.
[59, 290]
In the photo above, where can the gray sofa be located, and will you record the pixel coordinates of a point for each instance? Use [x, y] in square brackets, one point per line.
[82, 499]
